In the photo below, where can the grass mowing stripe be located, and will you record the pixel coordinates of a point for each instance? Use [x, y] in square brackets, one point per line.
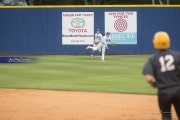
[119, 73]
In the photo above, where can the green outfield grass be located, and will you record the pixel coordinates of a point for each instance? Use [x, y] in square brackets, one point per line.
[119, 73]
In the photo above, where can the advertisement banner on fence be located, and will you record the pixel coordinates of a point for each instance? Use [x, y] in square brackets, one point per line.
[77, 28]
[122, 25]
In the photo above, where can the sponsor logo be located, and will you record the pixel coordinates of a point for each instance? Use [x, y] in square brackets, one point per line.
[15, 60]
[77, 22]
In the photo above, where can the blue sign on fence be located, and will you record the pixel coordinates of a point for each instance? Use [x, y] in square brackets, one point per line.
[15, 60]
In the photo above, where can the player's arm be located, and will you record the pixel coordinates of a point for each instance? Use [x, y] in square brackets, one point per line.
[109, 40]
[148, 73]
[150, 80]
[112, 43]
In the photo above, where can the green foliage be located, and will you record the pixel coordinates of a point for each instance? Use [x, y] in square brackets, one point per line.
[119, 73]
[99, 2]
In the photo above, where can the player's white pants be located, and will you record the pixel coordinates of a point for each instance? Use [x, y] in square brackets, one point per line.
[99, 46]
[103, 52]
[96, 47]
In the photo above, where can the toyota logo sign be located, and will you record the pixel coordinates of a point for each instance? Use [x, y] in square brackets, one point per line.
[77, 23]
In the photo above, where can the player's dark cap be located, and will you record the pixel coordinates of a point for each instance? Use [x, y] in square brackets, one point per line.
[108, 33]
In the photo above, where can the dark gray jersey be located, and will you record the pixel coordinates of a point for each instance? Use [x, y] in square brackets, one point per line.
[165, 67]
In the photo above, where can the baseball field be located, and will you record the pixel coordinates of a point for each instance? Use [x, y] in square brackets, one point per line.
[75, 87]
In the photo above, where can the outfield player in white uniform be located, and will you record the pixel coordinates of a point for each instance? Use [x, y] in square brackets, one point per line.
[97, 38]
[101, 45]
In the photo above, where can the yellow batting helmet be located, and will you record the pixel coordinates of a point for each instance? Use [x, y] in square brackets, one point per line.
[161, 40]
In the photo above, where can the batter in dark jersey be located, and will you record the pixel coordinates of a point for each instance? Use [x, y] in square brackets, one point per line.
[162, 70]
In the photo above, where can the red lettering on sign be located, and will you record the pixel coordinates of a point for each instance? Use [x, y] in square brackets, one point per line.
[68, 14]
[77, 30]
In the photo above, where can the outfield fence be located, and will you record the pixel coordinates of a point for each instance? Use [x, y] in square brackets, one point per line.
[69, 29]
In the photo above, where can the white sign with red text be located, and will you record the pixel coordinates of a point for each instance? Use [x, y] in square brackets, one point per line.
[77, 28]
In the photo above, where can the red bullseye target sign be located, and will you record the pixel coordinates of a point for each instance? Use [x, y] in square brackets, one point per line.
[120, 25]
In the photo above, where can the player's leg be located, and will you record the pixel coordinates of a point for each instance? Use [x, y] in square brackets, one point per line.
[176, 101]
[99, 49]
[92, 51]
[99, 46]
[92, 54]
[103, 52]
[164, 100]
[94, 47]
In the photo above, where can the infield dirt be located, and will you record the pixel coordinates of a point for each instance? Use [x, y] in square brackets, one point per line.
[19, 104]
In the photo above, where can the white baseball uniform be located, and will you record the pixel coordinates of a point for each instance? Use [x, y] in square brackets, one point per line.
[97, 40]
[101, 45]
